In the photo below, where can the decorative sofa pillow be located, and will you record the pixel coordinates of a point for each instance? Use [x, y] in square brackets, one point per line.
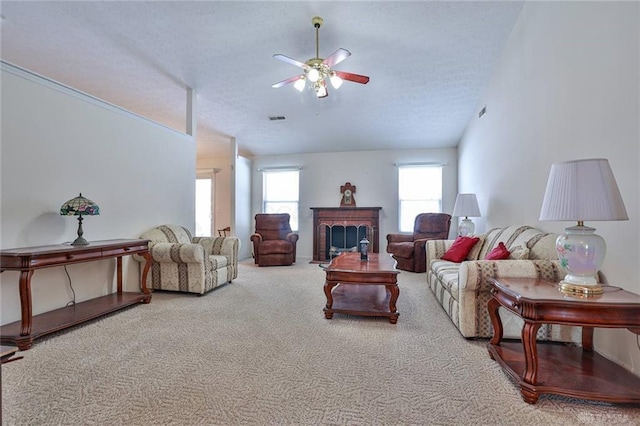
[498, 253]
[519, 252]
[460, 249]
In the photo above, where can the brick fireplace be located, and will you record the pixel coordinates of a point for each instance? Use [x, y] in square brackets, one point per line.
[336, 229]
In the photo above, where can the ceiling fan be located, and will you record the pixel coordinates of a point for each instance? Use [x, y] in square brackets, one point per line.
[317, 70]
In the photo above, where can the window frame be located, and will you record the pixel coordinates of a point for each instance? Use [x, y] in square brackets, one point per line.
[409, 222]
[295, 200]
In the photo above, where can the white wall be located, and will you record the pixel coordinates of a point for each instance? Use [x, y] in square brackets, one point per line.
[372, 172]
[57, 143]
[243, 219]
[567, 87]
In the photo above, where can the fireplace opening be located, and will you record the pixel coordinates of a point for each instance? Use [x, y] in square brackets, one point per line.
[341, 238]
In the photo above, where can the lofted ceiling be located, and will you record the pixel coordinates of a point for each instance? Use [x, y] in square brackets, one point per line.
[428, 61]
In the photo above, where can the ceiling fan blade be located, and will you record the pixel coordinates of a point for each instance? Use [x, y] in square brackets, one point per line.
[290, 61]
[337, 57]
[284, 82]
[357, 78]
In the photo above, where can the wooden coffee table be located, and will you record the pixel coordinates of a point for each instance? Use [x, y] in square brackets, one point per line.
[555, 368]
[362, 287]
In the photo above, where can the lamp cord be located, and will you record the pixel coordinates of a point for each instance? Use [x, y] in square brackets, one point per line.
[71, 302]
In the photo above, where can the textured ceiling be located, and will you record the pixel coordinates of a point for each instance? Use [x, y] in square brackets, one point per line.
[428, 62]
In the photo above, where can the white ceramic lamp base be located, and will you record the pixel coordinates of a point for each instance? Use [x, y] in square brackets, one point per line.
[466, 227]
[581, 253]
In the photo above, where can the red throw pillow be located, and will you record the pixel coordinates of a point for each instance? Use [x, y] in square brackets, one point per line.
[460, 249]
[500, 252]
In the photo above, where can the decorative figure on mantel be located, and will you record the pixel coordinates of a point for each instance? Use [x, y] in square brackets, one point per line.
[347, 190]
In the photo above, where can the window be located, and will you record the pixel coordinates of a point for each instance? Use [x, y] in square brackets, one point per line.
[204, 195]
[419, 191]
[280, 193]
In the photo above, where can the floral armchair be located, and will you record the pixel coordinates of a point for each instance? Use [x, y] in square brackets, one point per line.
[185, 263]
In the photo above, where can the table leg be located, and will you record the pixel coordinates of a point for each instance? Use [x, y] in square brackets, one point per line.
[328, 286]
[119, 274]
[587, 339]
[394, 290]
[530, 375]
[25, 302]
[143, 278]
[492, 306]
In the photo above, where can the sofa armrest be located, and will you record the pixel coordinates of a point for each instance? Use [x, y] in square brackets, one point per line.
[185, 252]
[221, 246]
[292, 237]
[419, 254]
[399, 238]
[256, 238]
[474, 291]
[435, 249]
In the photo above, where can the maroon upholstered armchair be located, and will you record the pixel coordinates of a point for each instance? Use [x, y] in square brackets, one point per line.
[273, 242]
[408, 249]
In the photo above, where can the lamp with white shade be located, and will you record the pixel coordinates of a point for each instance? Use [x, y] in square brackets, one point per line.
[467, 206]
[582, 190]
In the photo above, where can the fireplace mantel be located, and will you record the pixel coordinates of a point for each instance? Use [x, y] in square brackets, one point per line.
[344, 216]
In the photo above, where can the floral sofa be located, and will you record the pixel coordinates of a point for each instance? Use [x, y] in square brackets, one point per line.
[463, 290]
[185, 263]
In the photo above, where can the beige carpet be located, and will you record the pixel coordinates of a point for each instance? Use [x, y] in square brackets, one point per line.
[259, 351]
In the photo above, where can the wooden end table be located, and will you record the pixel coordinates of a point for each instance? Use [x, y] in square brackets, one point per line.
[553, 367]
[364, 287]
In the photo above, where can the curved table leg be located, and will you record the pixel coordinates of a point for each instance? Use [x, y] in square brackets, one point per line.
[530, 375]
[328, 286]
[394, 290]
[143, 280]
[493, 306]
[25, 302]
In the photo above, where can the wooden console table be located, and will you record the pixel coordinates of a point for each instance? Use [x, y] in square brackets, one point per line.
[553, 367]
[26, 260]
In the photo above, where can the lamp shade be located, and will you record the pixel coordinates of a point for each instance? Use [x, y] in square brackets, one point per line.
[466, 205]
[79, 206]
[582, 190]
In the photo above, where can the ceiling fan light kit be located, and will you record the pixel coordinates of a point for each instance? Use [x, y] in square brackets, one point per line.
[300, 83]
[336, 81]
[317, 70]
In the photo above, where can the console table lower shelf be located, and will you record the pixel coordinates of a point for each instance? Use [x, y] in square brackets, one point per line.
[62, 318]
